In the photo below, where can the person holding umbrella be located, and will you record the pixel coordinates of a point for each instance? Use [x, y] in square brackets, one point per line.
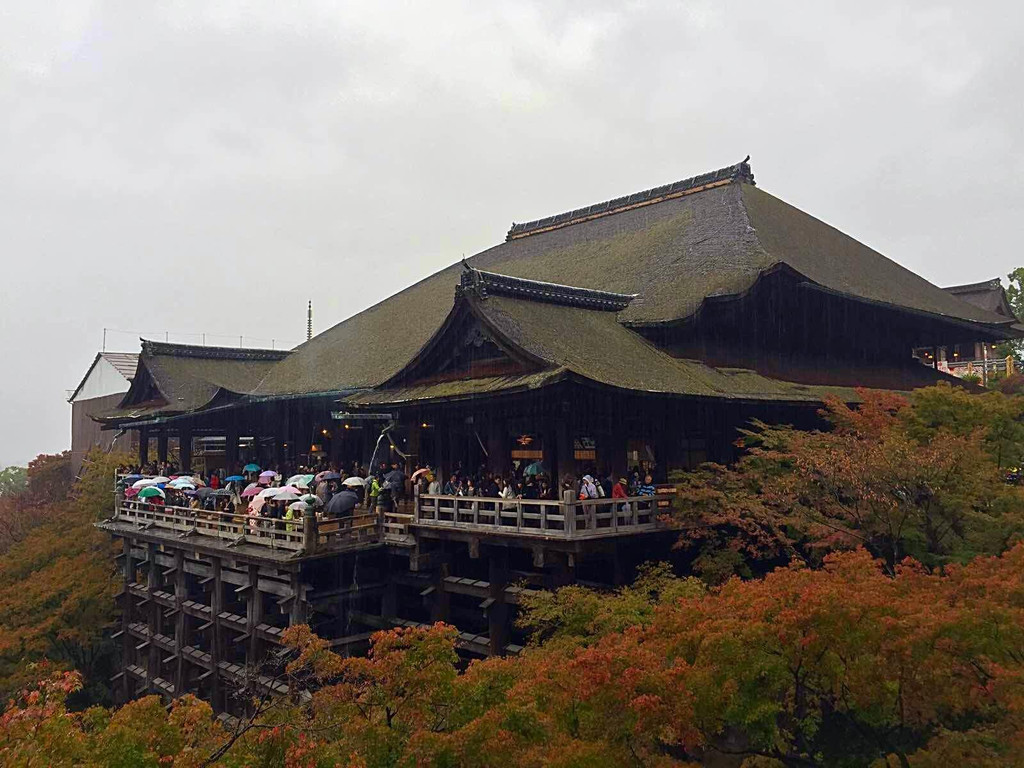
[342, 504]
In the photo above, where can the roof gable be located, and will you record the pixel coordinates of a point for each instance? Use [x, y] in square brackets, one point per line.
[667, 249]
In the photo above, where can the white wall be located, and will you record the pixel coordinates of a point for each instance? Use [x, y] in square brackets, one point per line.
[103, 380]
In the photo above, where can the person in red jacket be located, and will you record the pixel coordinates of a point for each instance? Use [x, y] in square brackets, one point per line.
[619, 489]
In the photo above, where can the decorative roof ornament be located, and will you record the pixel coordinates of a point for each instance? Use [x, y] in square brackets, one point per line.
[485, 284]
[740, 172]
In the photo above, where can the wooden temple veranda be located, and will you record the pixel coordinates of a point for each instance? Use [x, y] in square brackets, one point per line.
[638, 332]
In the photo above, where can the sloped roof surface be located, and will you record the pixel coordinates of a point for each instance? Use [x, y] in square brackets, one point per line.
[189, 377]
[592, 344]
[989, 295]
[124, 362]
[671, 253]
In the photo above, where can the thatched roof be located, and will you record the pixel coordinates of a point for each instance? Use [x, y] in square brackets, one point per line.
[988, 295]
[179, 378]
[562, 337]
[671, 247]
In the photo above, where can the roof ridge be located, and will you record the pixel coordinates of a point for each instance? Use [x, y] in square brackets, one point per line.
[739, 172]
[992, 284]
[151, 348]
[491, 283]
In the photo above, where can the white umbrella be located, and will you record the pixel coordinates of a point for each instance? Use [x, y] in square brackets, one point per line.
[161, 479]
[268, 493]
[299, 506]
[286, 496]
[146, 481]
[354, 481]
[294, 479]
[182, 483]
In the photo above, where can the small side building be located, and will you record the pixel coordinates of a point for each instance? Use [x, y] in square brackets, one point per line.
[101, 389]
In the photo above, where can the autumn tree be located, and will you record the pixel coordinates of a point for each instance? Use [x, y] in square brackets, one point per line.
[918, 477]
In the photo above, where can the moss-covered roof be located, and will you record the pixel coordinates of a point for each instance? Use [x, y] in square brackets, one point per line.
[592, 345]
[672, 253]
[178, 378]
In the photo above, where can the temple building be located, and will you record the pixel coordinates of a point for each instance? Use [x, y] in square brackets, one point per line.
[639, 332]
[644, 329]
[102, 387]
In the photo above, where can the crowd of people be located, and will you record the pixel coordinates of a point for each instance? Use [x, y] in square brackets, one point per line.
[267, 496]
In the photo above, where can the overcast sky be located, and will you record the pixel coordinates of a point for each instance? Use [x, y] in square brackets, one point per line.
[207, 167]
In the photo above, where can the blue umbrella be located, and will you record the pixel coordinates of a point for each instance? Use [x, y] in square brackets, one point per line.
[251, 468]
[233, 479]
[534, 469]
[132, 478]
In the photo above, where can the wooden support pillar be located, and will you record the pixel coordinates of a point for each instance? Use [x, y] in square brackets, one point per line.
[143, 447]
[216, 634]
[155, 613]
[180, 623]
[127, 610]
[497, 611]
[565, 464]
[389, 598]
[298, 610]
[254, 615]
[161, 446]
[440, 605]
[499, 460]
[185, 448]
[231, 465]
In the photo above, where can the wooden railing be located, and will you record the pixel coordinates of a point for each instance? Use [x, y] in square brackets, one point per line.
[302, 536]
[541, 518]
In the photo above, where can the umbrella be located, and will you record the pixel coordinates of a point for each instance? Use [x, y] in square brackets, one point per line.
[251, 468]
[256, 505]
[290, 488]
[203, 493]
[354, 480]
[286, 496]
[144, 482]
[149, 492]
[294, 479]
[182, 483]
[268, 493]
[268, 473]
[131, 492]
[320, 475]
[252, 490]
[160, 479]
[311, 500]
[534, 469]
[234, 479]
[329, 476]
[419, 472]
[131, 478]
[299, 506]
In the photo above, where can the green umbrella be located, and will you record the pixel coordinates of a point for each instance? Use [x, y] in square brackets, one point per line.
[150, 492]
[309, 498]
[251, 468]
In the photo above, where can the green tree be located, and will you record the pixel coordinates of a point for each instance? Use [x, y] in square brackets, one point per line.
[13, 480]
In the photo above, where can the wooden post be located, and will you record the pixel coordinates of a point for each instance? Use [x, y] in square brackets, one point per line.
[180, 596]
[155, 611]
[161, 446]
[216, 638]
[310, 533]
[254, 615]
[143, 447]
[231, 450]
[497, 611]
[185, 448]
[298, 612]
[126, 616]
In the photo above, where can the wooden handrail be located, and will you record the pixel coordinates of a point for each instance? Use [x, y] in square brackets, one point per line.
[545, 518]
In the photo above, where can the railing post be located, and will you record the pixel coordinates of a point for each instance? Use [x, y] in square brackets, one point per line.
[416, 502]
[310, 536]
[568, 514]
